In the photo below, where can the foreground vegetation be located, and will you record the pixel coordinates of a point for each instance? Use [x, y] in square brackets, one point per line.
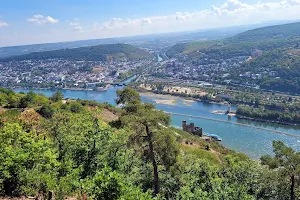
[71, 149]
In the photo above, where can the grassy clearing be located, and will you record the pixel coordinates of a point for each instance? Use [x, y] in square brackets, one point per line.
[200, 153]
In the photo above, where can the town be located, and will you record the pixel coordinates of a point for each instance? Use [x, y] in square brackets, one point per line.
[208, 72]
[59, 73]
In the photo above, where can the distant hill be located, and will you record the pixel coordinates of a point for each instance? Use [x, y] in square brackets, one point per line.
[266, 38]
[270, 32]
[154, 41]
[280, 47]
[93, 53]
[26, 49]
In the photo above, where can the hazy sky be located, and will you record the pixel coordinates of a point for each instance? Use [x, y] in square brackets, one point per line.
[41, 21]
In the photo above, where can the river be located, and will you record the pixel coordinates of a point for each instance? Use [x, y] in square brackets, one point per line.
[249, 140]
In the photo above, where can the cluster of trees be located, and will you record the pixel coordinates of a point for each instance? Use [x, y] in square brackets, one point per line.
[93, 53]
[284, 62]
[261, 113]
[10, 99]
[284, 85]
[125, 75]
[136, 157]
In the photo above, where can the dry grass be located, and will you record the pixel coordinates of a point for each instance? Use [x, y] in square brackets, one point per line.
[193, 147]
[2, 110]
[108, 116]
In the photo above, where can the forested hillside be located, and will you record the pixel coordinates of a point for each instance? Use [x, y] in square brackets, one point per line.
[267, 38]
[271, 32]
[274, 48]
[285, 63]
[84, 149]
[93, 53]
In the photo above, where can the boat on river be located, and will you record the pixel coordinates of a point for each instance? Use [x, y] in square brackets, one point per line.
[213, 136]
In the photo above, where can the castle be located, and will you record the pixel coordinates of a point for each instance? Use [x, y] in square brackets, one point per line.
[192, 129]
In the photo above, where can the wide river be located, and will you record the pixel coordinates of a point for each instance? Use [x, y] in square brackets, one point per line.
[247, 139]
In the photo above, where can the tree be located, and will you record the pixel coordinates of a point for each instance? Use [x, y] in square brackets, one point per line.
[27, 162]
[13, 100]
[287, 161]
[234, 179]
[107, 185]
[84, 148]
[29, 98]
[57, 96]
[46, 111]
[160, 87]
[128, 95]
[3, 98]
[76, 107]
[148, 125]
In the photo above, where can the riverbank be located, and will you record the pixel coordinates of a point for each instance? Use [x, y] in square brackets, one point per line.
[173, 95]
[235, 123]
[179, 95]
[167, 99]
[50, 88]
[173, 99]
[265, 120]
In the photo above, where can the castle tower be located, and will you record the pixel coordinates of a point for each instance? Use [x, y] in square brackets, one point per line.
[192, 126]
[201, 132]
[184, 125]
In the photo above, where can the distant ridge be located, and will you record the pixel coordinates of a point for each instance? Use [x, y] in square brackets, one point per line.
[105, 52]
[266, 38]
[280, 53]
[138, 40]
[274, 32]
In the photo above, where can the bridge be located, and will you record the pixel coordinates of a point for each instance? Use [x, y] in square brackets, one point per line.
[93, 85]
[119, 84]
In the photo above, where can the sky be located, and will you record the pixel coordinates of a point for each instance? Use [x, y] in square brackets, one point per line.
[43, 21]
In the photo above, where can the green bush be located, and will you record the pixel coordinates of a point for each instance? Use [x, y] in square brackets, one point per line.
[76, 107]
[46, 111]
